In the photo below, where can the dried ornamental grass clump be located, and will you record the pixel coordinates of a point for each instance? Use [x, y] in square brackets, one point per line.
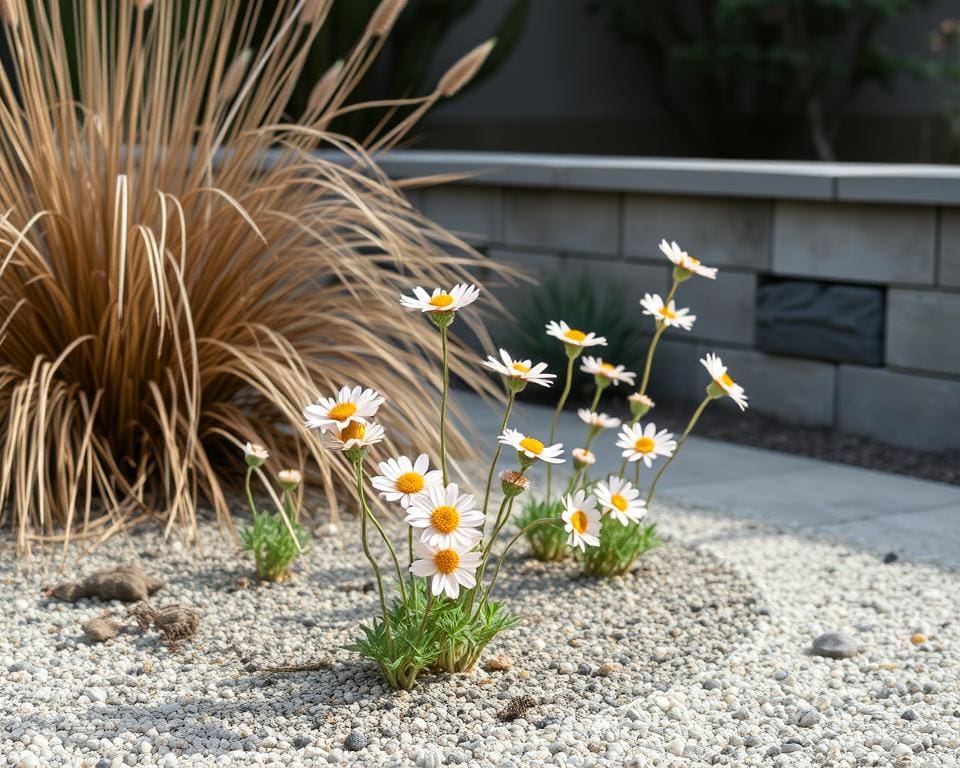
[179, 266]
[605, 518]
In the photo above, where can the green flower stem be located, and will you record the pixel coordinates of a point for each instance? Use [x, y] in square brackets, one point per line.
[503, 555]
[443, 402]
[253, 507]
[367, 512]
[571, 359]
[636, 475]
[496, 458]
[373, 562]
[692, 423]
[661, 327]
[503, 514]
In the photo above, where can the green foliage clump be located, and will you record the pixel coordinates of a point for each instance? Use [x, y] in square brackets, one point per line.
[274, 549]
[438, 635]
[548, 543]
[620, 546]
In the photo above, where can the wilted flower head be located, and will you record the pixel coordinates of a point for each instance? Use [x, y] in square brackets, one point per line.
[356, 434]
[255, 454]
[513, 483]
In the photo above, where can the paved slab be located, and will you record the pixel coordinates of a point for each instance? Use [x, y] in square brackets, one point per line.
[880, 511]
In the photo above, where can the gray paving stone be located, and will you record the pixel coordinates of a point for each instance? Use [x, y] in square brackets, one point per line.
[950, 247]
[922, 330]
[725, 307]
[473, 213]
[861, 243]
[915, 411]
[722, 232]
[790, 388]
[587, 222]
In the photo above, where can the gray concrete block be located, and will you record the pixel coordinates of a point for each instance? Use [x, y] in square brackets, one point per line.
[588, 222]
[922, 330]
[676, 374]
[472, 213]
[620, 281]
[898, 408]
[861, 243]
[725, 307]
[950, 247]
[795, 390]
[720, 232]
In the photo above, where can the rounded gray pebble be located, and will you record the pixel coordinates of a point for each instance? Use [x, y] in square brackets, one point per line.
[836, 645]
[355, 741]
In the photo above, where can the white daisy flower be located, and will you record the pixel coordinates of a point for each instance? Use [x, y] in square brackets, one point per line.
[357, 404]
[726, 385]
[668, 314]
[456, 298]
[523, 370]
[532, 448]
[581, 520]
[583, 458]
[645, 443]
[685, 261]
[289, 478]
[448, 569]
[597, 420]
[572, 336]
[356, 434]
[401, 479]
[621, 500]
[255, 454]
[615, 373]
[447, 518]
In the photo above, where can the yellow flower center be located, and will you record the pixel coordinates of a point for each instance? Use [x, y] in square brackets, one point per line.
[692, 261]
[532, 445]
[342, 411]
[441, 300]
[410, 482]
[619, 502]
[643, 445]
[445, 519]
[579, 521]
[607, 367]
[726, 380]
[574, 335]
[355, 430]
[521, 368]
[668, 313]
[446, 560]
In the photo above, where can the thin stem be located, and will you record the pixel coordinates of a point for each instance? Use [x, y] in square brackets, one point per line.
[571, 359]
[253, 507]
[692, 423]
[496, 458]
[373, 562]
[443, 403]
[367, 512]
[661, 327]
[496, 572]
[503, 514]
[636, 475]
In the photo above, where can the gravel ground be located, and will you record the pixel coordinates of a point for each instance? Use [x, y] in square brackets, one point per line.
[700, 657]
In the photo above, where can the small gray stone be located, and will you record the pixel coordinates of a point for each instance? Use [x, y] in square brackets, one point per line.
[909, 714]
[711, 684]
[355, 741]
[790, 746]
[780, 675]
[751, 741]
[301, 741]
[835, 645]
[103, 763]
[773, 751]
[808, 718]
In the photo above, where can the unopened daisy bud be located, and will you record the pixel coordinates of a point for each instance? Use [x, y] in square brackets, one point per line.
[465, 69]
[385, 17]
[640, 405]
[289, 479]
[583, 458]
[255, 454]
[513, 483]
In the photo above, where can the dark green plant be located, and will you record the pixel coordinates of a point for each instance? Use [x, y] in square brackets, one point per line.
[581, 305]
[945, 44]
[548, 543]
[620, 546]
[273, 547]
[738, 76]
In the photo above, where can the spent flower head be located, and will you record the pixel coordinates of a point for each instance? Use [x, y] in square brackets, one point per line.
[513, 483]
[289, 478]
[640, 404]
[722, 384]
[356, 435]
[255, 454]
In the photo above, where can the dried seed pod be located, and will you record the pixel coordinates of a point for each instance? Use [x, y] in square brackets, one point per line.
[237, 70]
[325, 87]
[8, 12]
[385, 17]
[465, 69]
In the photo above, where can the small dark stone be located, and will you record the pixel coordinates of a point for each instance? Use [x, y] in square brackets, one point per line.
[250, 667]
[711, 684]
[751, 741]
[835, 645]
[300, 742]
[100, 630]
[249, 745]
[103, 763]
[355, 741]
[517, 707]
[773, 751]
[890, 557]
[309, 623]
[790, 746]
[369, 586]
[909, 714]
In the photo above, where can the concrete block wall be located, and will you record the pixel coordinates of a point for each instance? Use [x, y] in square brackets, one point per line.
[897, 227]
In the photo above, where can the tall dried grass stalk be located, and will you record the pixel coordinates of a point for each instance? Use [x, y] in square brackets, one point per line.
[166, 292]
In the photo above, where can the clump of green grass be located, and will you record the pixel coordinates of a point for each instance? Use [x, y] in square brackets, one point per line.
[548, 543]
[620, 546]
[273, 545]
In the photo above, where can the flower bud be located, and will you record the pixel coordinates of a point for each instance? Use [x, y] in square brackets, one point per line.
[583, 458]
[289, 479]
[513, 483]
[255, 454]
[640, 405]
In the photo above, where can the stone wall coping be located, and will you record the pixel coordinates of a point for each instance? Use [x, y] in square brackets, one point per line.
[910, 184]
